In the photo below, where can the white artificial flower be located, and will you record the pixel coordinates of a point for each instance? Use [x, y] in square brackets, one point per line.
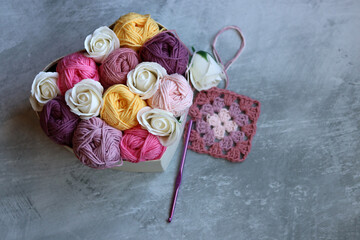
[144, 80]
[160, 123]
[101, 43]
[85, 98]
[43, 89]
[204, 71]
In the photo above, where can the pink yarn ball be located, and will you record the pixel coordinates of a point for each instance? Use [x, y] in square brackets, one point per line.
[138, 145]
[174, 95]
[116, 66]
[73, 68]
[96, 144]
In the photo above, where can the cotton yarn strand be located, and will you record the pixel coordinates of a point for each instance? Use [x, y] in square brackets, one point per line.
[134, 29]
[96, 144]
[58, 122]
[138, 145]
[116, 66]
[167, 50]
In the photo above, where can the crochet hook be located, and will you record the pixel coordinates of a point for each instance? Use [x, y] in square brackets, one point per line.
[179, 176]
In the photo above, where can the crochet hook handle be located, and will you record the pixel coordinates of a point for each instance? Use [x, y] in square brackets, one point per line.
[179, 176]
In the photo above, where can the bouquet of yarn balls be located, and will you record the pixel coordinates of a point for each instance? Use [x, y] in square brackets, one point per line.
[121, 98]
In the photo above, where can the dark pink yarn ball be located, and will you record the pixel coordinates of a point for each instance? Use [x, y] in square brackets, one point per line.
[167, 50]
[116, 66]
[138, 145]
[58, 122]
[73, 68]
[96, 144]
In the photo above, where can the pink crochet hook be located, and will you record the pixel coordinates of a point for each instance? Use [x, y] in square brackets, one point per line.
[179, 176]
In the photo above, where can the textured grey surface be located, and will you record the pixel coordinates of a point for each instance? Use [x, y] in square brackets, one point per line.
[301, 180]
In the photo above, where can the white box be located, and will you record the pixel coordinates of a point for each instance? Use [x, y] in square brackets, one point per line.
[157, 165]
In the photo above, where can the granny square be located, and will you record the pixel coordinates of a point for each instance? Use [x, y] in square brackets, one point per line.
[224, 124]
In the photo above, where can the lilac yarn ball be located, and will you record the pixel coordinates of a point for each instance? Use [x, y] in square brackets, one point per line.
[96, 144]
[167, 50]
[58, 122]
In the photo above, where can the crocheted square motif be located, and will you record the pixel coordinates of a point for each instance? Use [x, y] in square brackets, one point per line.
[224, 124]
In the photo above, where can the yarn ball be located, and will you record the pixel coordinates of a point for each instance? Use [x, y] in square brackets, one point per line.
[138, 145]
[116, 66]
[58, 122]
[73, 68]
[167, 50]
[96, 144]
[174, 95]
[121, 107]
[134, 29]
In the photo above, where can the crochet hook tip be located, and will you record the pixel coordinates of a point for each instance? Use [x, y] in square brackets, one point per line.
[169, 220]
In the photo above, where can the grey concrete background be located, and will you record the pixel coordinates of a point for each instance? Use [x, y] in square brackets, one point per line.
[301, 180]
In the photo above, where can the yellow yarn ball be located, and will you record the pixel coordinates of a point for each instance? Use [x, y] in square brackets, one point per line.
[134, 29]
[121, 107]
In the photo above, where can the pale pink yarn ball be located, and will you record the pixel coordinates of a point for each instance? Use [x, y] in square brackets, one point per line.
[73, 68]
[116, 66]
[174, 95]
